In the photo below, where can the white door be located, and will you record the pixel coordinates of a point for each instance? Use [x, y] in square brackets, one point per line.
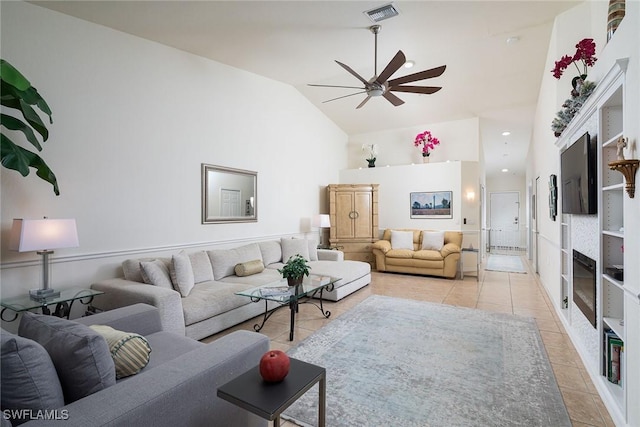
[504, 211]
[231, 203]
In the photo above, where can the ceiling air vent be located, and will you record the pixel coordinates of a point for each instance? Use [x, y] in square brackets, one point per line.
[383, 12]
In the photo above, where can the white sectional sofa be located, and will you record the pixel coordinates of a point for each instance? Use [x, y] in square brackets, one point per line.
[195, 292]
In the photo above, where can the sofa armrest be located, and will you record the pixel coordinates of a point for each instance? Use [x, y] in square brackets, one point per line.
[382, 245]
[121, 293]
[449, 249]
[330, 255]
[180, 392]
[141, 319]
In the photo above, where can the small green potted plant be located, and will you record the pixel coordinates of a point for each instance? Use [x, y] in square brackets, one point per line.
[295, 269]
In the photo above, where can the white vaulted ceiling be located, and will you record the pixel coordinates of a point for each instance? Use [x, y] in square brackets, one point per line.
[296, 42]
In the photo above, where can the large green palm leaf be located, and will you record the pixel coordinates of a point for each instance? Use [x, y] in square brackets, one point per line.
[18, 94]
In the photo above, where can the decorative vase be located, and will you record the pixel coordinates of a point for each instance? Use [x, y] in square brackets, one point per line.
[425, 158]
[614, 17]
[294, 281]
[372, 162]
[576, 84]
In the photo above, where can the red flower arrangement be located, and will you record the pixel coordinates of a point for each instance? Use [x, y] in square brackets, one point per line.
[585, 53]
[428, 142]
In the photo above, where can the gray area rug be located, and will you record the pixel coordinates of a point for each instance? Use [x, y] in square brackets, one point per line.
[406, 363]
[506, 263]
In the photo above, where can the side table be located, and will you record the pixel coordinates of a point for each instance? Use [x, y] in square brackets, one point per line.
[63, 303]
[475, 251]
[268, 400]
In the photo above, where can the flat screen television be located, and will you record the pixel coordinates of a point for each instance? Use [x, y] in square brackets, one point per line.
[578, 174]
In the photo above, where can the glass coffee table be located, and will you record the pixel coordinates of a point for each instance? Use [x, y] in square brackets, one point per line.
[312, 287]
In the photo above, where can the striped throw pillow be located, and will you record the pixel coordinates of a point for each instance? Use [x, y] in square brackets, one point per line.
[130, 351]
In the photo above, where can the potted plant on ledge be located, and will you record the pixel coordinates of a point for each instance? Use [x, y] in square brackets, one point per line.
[294, 270]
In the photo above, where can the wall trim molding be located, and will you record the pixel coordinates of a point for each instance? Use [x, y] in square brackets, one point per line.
[147, 250]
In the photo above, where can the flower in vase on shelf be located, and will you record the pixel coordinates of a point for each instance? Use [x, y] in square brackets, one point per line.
[582, 89]
[373, 152]
[585, 56]
[427, 141]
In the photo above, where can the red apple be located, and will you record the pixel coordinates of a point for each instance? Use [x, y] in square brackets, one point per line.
[274, 366]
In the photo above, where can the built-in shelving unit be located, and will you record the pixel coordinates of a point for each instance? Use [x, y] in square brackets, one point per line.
[603, 116]
[611, 187]
[567, 263]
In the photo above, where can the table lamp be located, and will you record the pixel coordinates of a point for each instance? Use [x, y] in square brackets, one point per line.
[43, 235]
[321, 221]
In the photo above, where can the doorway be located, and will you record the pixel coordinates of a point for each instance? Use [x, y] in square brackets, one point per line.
[231, 203]
[504, 222]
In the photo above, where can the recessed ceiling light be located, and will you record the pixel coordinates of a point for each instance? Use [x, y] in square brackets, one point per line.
[409, 64]
[513, 40]
[506, 133]
[505, 170]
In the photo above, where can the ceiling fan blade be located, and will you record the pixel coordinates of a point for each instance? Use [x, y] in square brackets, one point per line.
[356, 75]
[345, 96]
[393, 66]
[393, 99]
[345, 87]
[416, 89]
[421, 75]
[363, 102]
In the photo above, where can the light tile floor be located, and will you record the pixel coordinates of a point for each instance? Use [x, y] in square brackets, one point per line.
[512, 293]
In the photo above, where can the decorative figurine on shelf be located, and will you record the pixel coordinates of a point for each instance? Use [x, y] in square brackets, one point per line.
[621, 145]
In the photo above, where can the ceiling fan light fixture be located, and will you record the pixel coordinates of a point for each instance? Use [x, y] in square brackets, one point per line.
[409, 64]
[381, 13]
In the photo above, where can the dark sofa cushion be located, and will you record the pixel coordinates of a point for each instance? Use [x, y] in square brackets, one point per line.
[81, 356]
[29, 379]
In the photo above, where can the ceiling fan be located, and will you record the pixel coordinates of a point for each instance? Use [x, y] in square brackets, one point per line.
[379, 85]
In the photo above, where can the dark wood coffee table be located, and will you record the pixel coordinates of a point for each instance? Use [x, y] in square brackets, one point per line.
[268, 400]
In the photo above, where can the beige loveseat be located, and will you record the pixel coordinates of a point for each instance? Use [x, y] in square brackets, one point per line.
[441, 261]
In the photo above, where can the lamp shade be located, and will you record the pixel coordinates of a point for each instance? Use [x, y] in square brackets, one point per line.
[321, 221]
[43, 234]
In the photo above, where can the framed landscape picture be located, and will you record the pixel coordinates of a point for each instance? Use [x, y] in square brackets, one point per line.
[431, 204]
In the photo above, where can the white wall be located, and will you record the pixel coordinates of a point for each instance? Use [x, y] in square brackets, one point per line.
[589, 20]
[397, 182]
[459, 140]
[133, 121]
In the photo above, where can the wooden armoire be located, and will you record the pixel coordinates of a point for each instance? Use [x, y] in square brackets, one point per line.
[353, 211]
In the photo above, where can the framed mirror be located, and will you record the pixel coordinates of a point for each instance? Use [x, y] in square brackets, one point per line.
[228, 195]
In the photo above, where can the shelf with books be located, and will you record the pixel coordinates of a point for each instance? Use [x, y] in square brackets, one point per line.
[613, 367]
[616, 325]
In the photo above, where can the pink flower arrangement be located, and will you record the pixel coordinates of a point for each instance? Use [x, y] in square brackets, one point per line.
[428, 142]
[585, 53]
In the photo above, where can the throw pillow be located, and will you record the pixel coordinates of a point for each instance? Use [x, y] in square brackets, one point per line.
[29, 379]
[156, 273]
[133, 271]
[202, 271]
[248, 268]
[402, 239]
[224, 261]
[129, 351]
[291, 247]
[433, 240]
[182, 273]
[81, 356]
[271, 251]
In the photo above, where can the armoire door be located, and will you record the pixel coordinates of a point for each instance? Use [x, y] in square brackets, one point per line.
[362, 214]
[345, 228]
